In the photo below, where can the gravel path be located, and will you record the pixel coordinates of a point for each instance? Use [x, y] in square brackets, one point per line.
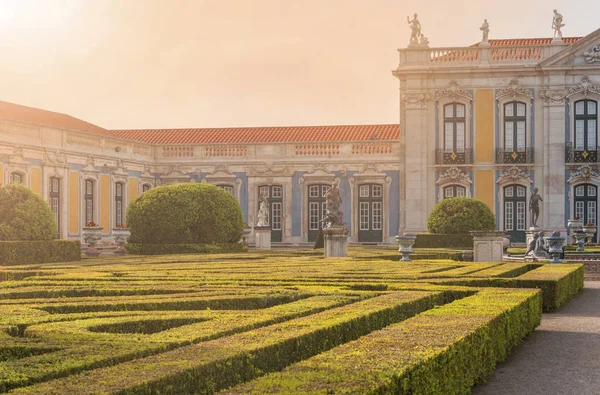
[562, 356]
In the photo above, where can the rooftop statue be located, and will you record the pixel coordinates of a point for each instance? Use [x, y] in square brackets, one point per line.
[415, 27]
[557, 24]
[485, 29]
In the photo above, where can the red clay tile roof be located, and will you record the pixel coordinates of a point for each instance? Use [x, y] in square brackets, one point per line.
[513, 42]
[17, 112]
[283, 134]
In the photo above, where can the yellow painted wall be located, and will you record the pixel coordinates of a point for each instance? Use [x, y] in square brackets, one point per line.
[36, 180]
[105, 202]
[485, 187]
[1, 175]
[484, 125]
[133, 189]
[73, 202]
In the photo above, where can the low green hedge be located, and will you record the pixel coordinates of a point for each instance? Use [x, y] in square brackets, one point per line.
[445, 350]
[430, 240]
[43, 251]
[168, 249]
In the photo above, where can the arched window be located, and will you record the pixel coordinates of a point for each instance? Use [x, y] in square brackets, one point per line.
[515, 129]
[17, 178]
[89, 201]
[119, 217]
[586, 130]
[454, 127]
[452, 191]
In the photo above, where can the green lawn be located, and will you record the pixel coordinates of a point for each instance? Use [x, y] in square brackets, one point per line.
[268, 322]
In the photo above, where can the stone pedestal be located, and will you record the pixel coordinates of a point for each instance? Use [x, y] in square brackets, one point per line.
[487, 246]
[262, 237]
[530, 232]
[336, 241]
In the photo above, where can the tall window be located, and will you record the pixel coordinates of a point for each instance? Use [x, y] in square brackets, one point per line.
[274, 194]
[119, 204]
[17, 178]
[146, 187]
[452, 191]
[226, 188]
[586, 113]
[454, 127]
[89, 201]
[54, 198]
[515, 119]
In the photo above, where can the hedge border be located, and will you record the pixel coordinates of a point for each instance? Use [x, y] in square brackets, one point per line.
[43, 251]
[171, 249]
[430, 240]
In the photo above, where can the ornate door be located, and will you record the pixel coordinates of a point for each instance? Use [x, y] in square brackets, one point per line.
[586, 196]
[370, 213]
[316, 209]
[274, 194]
[515, 212]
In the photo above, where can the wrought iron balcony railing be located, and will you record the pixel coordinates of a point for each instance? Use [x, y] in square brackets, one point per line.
[458, 157]
[520, 155]
[580, 155]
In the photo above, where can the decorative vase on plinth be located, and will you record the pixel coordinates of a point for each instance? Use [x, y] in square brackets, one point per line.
[91, 236]
[405, 244]
[574, 225]
[245, 234]
[120, 237]
[555, 244]
[590, 231]
[580, 240]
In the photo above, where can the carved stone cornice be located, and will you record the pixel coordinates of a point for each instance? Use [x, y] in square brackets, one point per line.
[453, 92]
[514, 90]
[585, 87]
[269, 170]
[415, 99]
[583, 174]
[592, 55]
[54, 158]
[553, 96]
[454, 174]
[514, 175]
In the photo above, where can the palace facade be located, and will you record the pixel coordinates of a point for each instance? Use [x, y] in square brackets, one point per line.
[489, 121]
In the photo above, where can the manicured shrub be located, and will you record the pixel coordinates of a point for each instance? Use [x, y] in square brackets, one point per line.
[460, 215]
[185, 214]
[43, 251]
[25, 215]
[166, 249]
[457, 240]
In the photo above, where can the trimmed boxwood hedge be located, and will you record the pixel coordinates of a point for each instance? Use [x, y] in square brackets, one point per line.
[166, 249]
[185, 214]
[27, 252]
[430, 240]
[25, 215]
[460, 215]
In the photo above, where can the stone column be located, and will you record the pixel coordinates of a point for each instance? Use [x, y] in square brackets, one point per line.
[552, 157]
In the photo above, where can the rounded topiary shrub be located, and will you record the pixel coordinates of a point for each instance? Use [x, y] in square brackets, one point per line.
[25, 215]
[185, 214]
[460, 215]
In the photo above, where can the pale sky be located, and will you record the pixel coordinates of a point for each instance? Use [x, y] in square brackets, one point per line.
[217, 63]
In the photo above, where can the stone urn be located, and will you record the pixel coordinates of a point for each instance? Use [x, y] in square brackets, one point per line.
[580, 240]
[590, 231]
[555, 244]
[574, 225]
[120, 237]
[92, 234]
[245, 234]
[405, 246]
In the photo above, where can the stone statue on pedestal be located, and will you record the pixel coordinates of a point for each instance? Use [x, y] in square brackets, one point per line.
[534, 206]
[537, 247]
[263, 211]
[485, 29]
[333, 215]
[557, 24]
[415, 27]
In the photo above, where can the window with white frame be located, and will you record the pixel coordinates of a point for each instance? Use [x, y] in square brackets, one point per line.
[226, 188]
[89, 201]
[119, 186]
[452, 191]
[54, 198]
[586, 116]
[146, 188]
[17, 178]
[515, 121]
[454, 127]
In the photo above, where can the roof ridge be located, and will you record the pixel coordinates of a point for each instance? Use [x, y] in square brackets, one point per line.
[255, 127]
